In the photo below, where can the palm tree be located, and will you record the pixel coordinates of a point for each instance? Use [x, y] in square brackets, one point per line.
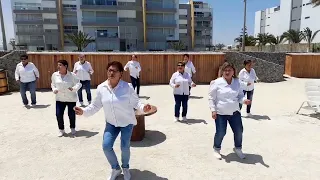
[177, 46]
[276, 40]
[220, 46]
[309, 36]
[80, 39]
[315, 2]
[249, 40]
[293, 36]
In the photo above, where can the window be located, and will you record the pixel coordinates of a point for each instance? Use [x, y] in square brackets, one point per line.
[295, 7]
[293, 20]
[70, 29]
[308, 17]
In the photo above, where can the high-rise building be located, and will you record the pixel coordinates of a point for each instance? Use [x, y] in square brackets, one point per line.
[116, 25]
[291, 14]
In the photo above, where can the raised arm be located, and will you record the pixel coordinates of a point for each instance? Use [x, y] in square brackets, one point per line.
[213, 97]
[95, 106]
[134, 100]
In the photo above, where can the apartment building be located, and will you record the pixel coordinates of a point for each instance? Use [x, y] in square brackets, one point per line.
[291, 14]
[116, 25]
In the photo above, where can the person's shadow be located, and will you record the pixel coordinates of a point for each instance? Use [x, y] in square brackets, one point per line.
[84, 133]
[142, 175]
[250, 159]
[259, 117]
[194, 121]
[38, 106]
[195, 97]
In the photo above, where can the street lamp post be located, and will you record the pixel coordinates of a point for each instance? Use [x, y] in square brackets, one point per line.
[244, 26]
[4, 40]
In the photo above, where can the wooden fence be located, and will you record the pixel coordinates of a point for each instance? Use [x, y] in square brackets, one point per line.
[303, 65]
[157, 68]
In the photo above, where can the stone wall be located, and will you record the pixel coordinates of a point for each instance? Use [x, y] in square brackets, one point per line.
[9, 62]
[278, 58]
[279, 48]
[266, 71]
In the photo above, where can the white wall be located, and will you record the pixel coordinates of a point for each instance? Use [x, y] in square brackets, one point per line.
[313, 21]
[285, 14]
[183, 12]
[50, 26]
[48, 4]
[272, 22]
[79, 15]
[257, 23]
[183, 31]
[49, 16]
[183, 21]
[126, 13]
[177, 20]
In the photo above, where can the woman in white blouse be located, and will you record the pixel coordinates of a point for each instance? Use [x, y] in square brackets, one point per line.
[134, 68]
[65, 85]
[248, 77]
[180, 82]
[225, 94]
[118, 100]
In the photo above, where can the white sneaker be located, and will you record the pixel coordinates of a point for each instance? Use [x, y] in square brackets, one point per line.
[217, 154]
[239, 153]
[176, 119]
[126, 174]
[114, 174]
[61, 133]
[73, 131]
[184, 119]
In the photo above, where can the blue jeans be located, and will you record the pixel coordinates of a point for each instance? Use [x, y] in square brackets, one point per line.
[60, 108]
[181, 99]
[135, 83]
[110, 135]
[249, 96]
[24, 87]
[86, 85]
[235, 123]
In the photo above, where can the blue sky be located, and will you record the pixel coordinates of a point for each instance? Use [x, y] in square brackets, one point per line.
[227, 17]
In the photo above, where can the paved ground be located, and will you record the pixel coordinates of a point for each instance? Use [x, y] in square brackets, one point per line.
[279, 144]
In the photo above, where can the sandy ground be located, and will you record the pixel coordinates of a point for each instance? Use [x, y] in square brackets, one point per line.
[279, 144]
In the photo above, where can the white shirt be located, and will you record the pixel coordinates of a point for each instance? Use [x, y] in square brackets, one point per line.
[83, 71]
[118, 104]
[246, 77]
[184, 80]
[224, 98]
[189, 68]
[134, 68]
[26, 74]
[70, 80]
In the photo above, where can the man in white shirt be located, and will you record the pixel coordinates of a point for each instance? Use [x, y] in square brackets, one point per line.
[27, 74]
[83, 70]
[189, 67]
[134, 67]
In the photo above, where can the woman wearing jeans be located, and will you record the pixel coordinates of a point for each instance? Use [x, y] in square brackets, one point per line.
[248, 77]
[27, 74]
[134, 67]
[118, 101]
[225, 94]
[65, 85]
[180, 82]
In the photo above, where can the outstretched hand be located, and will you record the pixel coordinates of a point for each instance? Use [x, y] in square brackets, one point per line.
[78, 110]
[147, 108]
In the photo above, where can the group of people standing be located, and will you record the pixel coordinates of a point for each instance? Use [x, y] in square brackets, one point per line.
[120, 101]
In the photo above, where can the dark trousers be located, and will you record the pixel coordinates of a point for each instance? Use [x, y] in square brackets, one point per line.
[24, 87]
[249, 96]
[181, 99]
[60, 107]
[86, 86]
[135, 83]
[235, 123]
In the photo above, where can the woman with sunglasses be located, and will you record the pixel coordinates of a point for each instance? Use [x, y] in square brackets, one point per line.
[180, 82]
[225, 94]
[118, 100]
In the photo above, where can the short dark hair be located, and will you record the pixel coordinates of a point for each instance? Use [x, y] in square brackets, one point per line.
[134, 56]
[116, 64]
[182, 63]
[245, 62]
[24, 56]
[64, 62]
[186, 55]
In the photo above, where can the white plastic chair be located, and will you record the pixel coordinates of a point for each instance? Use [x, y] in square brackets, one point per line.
[312, 89]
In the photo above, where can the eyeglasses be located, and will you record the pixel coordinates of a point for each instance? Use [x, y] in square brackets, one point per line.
[112, 71]
[179, 65]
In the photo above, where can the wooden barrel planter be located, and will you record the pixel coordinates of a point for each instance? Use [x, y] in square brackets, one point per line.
[3, 81]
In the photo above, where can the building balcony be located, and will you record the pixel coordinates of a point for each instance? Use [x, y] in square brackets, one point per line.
[28, 21]
[162, 23]
[39, 42]
[33, 9]
[109, 5]
[70, 10]
[50, 21]
[160, 37]
[100, 21]
[30, 32]
[202, 18]
[161, 7]
[157, 46]
[70, 21]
